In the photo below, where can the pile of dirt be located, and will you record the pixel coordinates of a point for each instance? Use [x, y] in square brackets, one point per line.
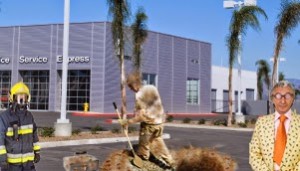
[191, 158]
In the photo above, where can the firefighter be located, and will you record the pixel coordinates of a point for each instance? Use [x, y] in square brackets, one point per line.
[150, 113]
[19, 148]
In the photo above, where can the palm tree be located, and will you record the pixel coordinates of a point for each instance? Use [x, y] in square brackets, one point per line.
[297, 92]
[289, 18]
[120, 14]
[263, 76]
[281, 76]
[139, 29]
[246, 16]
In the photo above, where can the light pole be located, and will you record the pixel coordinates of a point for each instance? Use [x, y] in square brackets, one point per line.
[229, 4]
[279, 60]
[63, 127]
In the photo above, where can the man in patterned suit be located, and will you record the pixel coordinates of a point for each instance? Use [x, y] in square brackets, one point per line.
[275, 143]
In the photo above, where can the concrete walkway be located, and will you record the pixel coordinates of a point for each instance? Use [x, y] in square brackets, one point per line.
[92, 141]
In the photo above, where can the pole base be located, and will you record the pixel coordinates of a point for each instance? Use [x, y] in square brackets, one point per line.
[62, 129]
[239, 118]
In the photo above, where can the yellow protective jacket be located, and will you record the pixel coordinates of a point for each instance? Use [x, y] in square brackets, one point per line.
[18, 137]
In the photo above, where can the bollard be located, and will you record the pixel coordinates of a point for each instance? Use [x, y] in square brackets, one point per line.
[85, 107]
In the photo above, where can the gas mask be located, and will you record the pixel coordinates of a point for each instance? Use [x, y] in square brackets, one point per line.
[20, 101]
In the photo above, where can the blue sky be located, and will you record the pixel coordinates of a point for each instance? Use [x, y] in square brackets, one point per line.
[204, 20]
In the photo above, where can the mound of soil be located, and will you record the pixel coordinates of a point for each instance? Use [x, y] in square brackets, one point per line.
[186, 159]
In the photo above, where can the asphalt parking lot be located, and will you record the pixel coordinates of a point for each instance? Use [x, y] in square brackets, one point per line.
[232, 142]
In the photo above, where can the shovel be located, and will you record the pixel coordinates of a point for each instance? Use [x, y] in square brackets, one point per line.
[137, 161]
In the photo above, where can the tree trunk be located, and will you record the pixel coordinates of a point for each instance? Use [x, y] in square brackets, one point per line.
[230, 97]
[274, 74]
[123, 85]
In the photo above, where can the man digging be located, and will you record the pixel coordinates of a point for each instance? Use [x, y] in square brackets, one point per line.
[150, 112]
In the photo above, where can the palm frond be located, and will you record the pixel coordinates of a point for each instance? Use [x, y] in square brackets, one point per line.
[241, 19]
[120, 13]
[263, 71]
[139, 29]
[289, 18]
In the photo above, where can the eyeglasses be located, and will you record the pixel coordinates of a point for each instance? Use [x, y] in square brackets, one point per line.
[286, 96]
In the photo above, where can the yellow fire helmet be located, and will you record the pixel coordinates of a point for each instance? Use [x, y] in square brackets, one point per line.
[19, 88]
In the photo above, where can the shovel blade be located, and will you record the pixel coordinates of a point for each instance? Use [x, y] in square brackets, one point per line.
[137, 161]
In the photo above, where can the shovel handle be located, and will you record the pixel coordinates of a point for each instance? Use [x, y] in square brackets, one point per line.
[116, 108]
[115, 105]
[126, 134]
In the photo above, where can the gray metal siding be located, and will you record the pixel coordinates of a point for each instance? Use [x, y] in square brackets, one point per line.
[34, 41]
[193, 59]
[97, 67]
[6, 46]
[112, 74]
[54, 86]
[180, 75]
[14, 61]
[165, 70]
[205, 77]
[80, 43]
[150, 54]
[167, 56]
[58, 66]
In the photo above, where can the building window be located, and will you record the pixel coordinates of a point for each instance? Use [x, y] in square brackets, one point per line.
[38, 84]
[225, 101]
[213, 100]
[78, 89]
[192, 91]
[4, 87]
[149, 79]
[249, 94]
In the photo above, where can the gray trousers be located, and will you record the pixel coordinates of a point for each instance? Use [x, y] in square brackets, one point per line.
[29, 166]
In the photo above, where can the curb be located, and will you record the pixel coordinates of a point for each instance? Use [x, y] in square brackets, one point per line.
[114, 115]
[208, 127]
[199, 126]
[92, 141]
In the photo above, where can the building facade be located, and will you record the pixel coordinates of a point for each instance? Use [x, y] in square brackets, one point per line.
[179, 67]
[220, 93]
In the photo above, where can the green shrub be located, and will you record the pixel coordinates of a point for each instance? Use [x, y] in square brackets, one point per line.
[47, 132]
[170, 118]
[220, 122]
[96, 128]
[186, 120]
[76, 131]
[253, 121]
[243, 125]
[131, 129]
[201, 121]
[116, 130]
[232, 121]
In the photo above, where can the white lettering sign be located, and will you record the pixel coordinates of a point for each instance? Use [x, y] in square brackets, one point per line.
[4, 60]
[36, 59]
[74, 59]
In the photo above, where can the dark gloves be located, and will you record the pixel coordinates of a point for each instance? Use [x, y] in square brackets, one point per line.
[37, 157]
[3, 165]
